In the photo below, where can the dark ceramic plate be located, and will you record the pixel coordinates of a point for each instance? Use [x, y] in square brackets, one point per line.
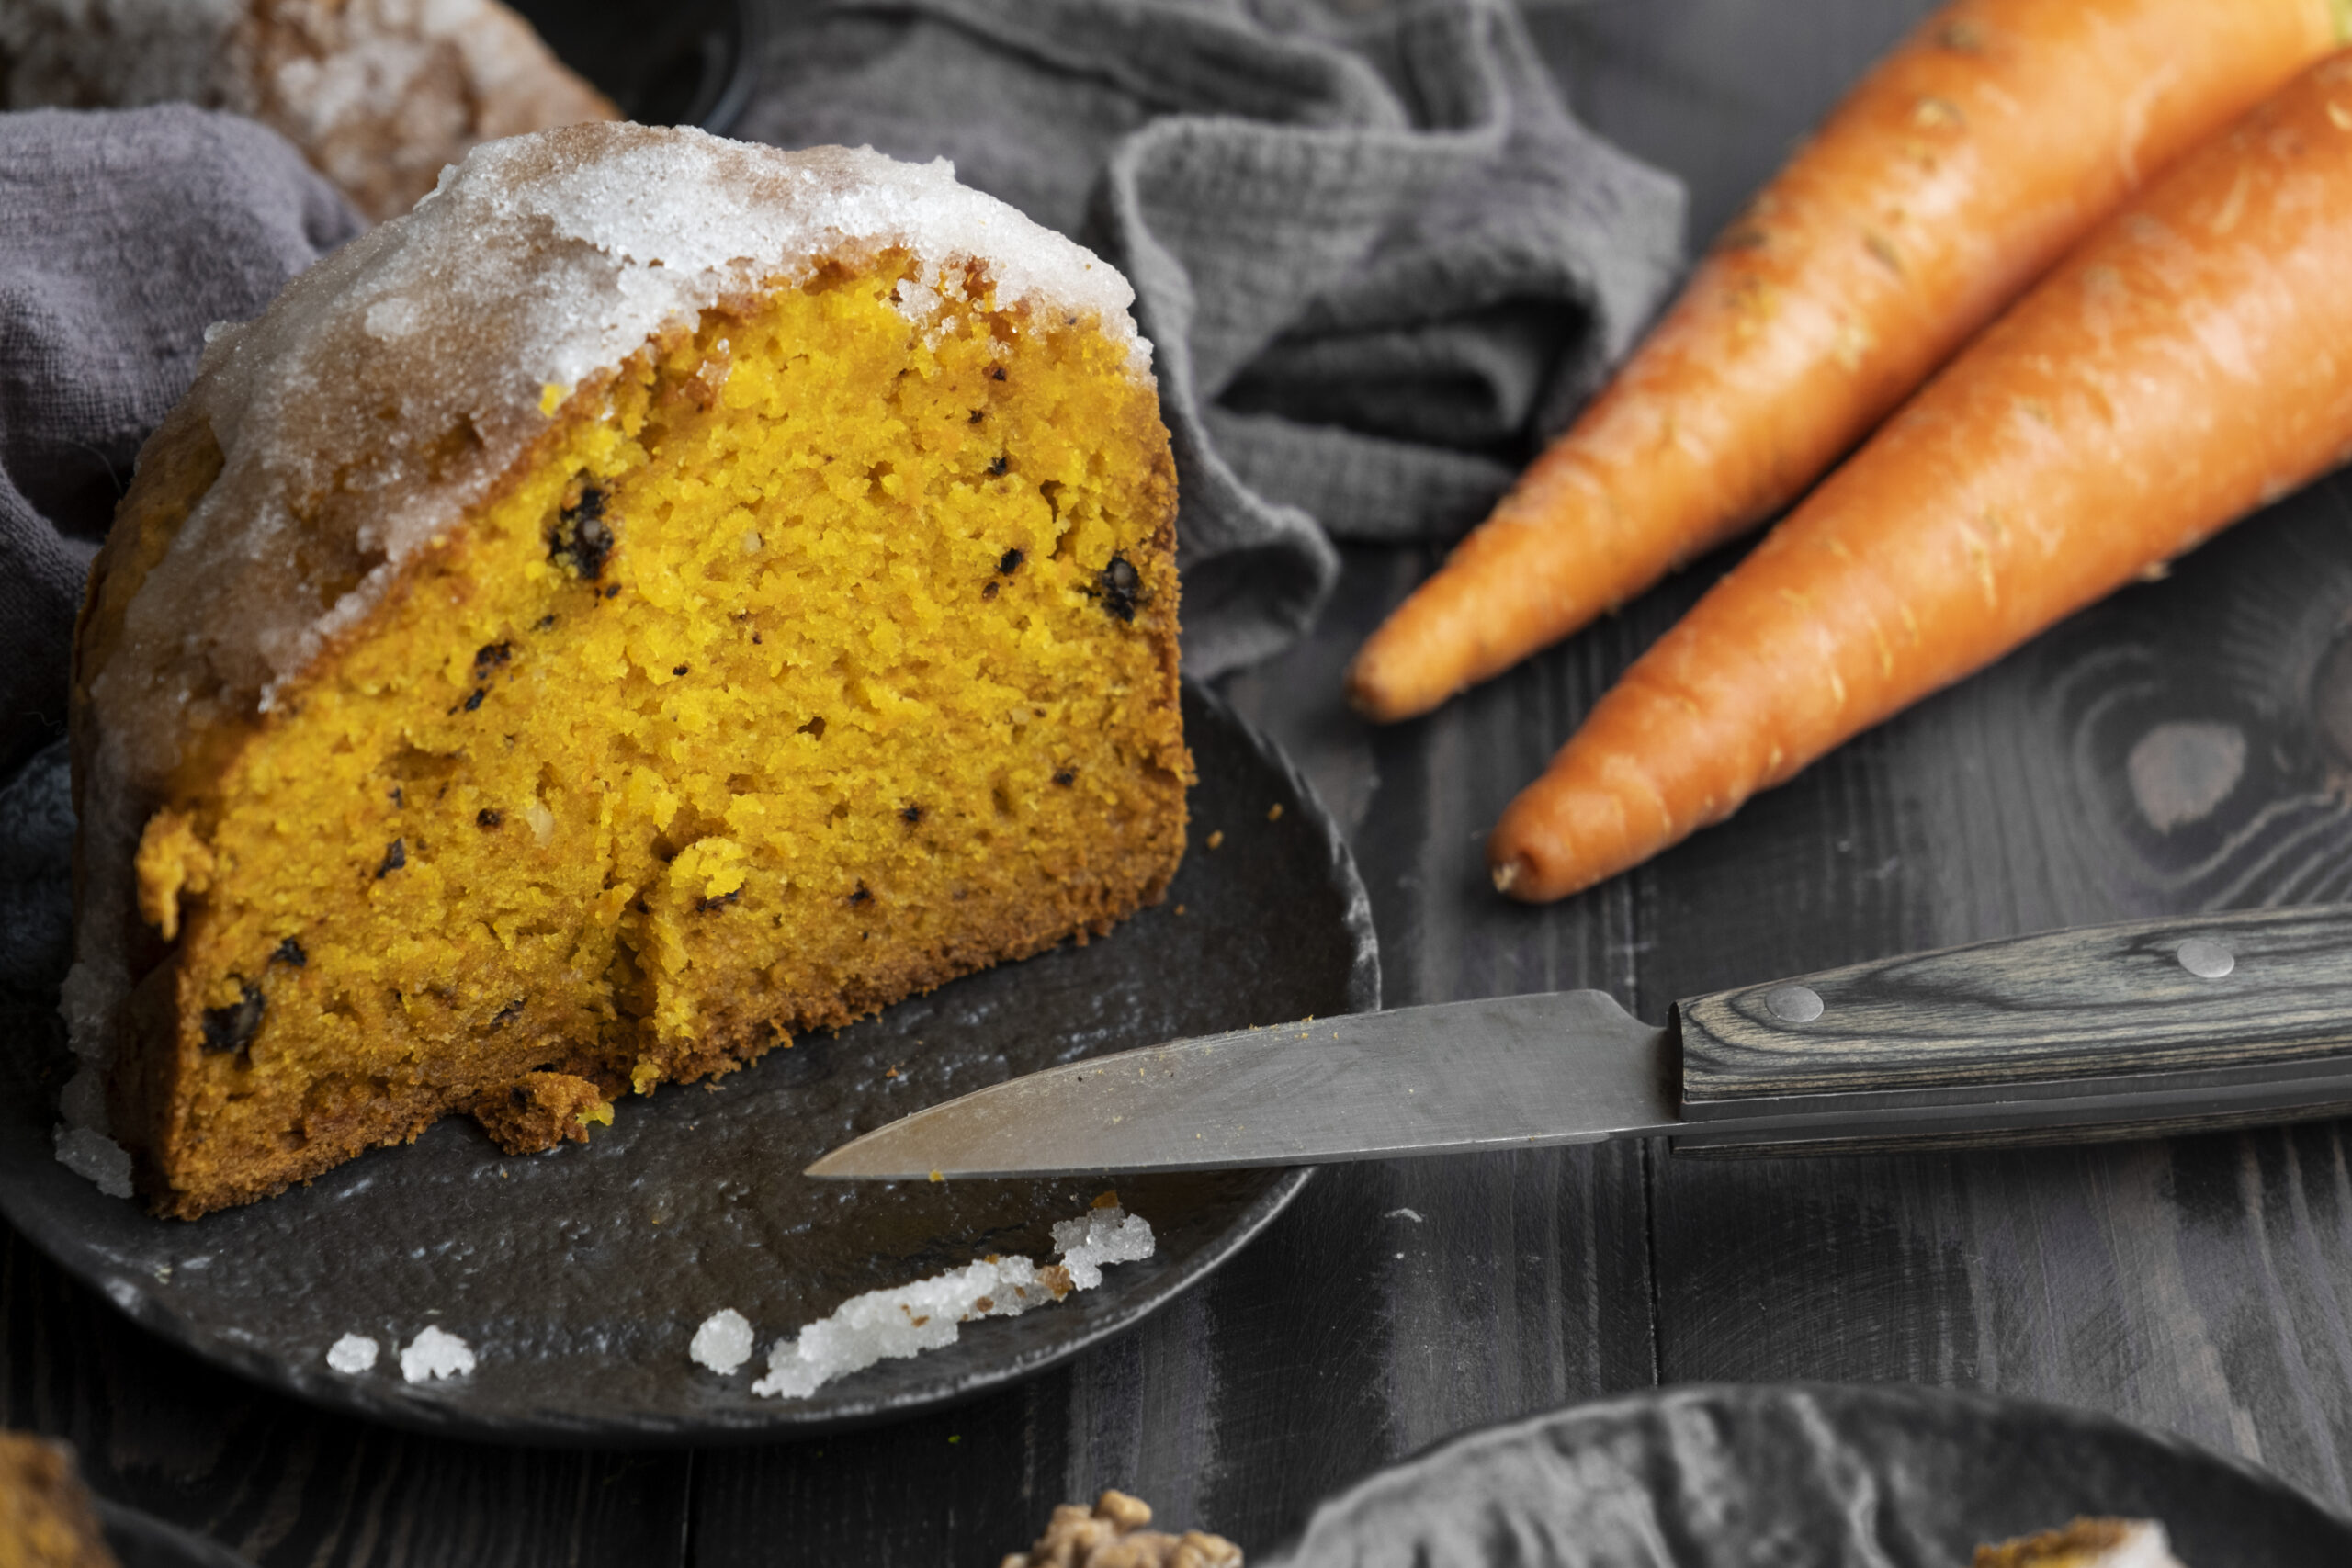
[141, 1540]
[579, 1276]
[1804, 1476]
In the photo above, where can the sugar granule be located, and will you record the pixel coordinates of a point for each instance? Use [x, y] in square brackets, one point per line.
[1100, 1237]
[433, 1354]
[908, 1319]
[723, 1342]
[96, 1158]
[353, 1353]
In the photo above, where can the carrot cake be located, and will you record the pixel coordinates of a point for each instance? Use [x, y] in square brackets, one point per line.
[660, 595]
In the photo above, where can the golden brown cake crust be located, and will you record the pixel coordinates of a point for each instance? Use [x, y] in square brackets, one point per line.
[162, 715]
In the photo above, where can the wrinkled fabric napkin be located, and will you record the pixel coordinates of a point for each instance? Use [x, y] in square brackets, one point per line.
[122, 237]
[1377, 259]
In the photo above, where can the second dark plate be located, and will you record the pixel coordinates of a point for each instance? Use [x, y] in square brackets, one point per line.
[579, 1276]
[1804, 1476]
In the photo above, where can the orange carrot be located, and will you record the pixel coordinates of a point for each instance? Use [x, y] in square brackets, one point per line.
[1955, 174]
[2191, 361]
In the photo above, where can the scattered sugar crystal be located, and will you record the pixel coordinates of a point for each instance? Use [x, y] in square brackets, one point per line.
[95, 1157]
[356, 1353]
[909, 1319]
[723, 1342]
[391, 318]
[1102, 1235]
[433, 1354]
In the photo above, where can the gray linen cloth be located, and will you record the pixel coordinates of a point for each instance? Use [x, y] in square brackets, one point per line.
[122, 237]
[1377, 259]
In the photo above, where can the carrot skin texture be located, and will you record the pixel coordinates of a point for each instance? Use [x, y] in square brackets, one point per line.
[1952, 177]
[2191, 362]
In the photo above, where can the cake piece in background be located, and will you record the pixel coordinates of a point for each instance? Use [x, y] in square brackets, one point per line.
[377, 94]
[659, 597]
[1111, 1534]
[2085, 1544]
[46, 1520]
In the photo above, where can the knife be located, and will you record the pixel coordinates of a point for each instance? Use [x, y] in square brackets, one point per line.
[2090, 1034]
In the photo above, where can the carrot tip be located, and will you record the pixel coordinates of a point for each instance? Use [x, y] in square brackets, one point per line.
[1366, 695]
[1506, 874]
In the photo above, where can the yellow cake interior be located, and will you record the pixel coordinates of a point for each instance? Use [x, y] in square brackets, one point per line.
[816, 656]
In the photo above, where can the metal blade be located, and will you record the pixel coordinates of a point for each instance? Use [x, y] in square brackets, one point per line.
[1569, 1067]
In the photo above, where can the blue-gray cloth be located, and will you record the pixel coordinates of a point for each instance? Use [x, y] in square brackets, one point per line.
[1377, 259]
[122, 237]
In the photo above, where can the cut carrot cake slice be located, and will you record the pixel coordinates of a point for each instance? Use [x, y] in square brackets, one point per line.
[660, 595]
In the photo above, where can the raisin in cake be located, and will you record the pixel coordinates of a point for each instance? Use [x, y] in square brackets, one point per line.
[660, 595]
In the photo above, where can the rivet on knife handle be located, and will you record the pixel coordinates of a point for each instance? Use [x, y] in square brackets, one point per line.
[2171, 1025]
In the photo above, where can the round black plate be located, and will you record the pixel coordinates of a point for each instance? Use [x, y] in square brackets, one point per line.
[579, 1276]
[1807, 1476]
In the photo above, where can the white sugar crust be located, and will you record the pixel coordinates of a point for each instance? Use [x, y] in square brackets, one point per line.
[543, 260]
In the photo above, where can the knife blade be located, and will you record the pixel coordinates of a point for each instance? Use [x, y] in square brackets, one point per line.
[2087, 1033]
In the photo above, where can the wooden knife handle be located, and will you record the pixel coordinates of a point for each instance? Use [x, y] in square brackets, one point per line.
[2092, 1033]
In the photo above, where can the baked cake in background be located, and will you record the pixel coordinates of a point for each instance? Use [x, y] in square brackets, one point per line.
[46, 1521]
[660, 595]
[377, 94]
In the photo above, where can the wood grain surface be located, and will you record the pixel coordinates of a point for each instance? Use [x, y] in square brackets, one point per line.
[2184, 748]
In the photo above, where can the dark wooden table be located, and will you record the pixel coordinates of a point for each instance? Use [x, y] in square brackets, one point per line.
[2184, 747]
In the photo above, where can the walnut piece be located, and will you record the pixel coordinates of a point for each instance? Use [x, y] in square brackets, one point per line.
[1111, 1534]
